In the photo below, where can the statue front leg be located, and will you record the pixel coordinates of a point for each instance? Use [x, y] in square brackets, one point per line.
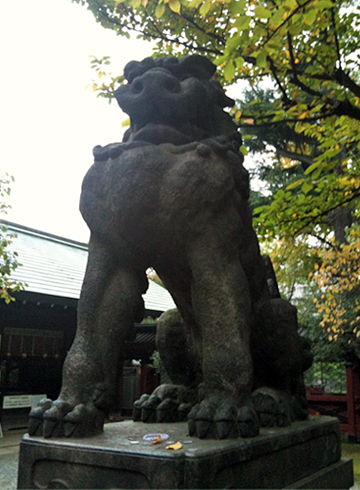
[110, 303]
[222, 307]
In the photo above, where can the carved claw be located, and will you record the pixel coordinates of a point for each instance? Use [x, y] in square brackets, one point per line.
[53, 419]
[148, 409]
[222, 420]
[167, 411]
[59, 418]
[183, 411]
[203, 417]
[168, 403]
[36, 417]
[272, 407]
[84, 420]
[137, 407]
[226, 422]
[248, 422]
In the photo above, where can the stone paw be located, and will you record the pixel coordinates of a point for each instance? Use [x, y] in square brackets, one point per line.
[273, 407]
[47, 419]
[84, 420]
[219, 418]
[168, 403]
[59, 418]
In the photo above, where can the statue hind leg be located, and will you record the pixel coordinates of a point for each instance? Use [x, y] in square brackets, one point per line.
[179, 356]
[110, 303]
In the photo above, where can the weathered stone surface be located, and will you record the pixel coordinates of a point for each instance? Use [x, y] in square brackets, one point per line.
[305, 455]
[174, 195]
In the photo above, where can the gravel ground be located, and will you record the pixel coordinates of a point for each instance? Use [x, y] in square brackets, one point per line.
[9, 470]
[9, 458]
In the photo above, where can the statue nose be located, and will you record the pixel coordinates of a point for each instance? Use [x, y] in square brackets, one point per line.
[155, 83]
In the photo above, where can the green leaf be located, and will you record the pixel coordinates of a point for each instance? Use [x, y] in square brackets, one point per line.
[238, 7]
[204, 9]
[239, 62]
[125, 123]
[306, 187]
[229, 71]
[243, 150]
[234, 42]
[261, 12]
[312, 168]
[194, 3]
[261, 59]
[325, 4]
[309, 17]
[242, 23]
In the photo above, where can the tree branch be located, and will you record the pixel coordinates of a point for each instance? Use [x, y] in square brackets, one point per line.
[312, 219]
[336, 38]
[156, 35]
[295, 80]
[343, 79]
[283, 121]
[282, 89]
[286, 20]
[305, 160]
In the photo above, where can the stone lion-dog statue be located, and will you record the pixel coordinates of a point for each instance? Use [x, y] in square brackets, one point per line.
[174, 196]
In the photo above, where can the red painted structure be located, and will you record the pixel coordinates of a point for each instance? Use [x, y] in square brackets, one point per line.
[346, 407]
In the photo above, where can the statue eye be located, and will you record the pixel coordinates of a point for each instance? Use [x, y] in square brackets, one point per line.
[172, 85]
[137, 86]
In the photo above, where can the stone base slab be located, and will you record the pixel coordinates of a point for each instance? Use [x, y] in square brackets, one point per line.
[305, 455]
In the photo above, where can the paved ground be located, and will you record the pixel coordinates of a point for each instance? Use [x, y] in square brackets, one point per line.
[9, 456]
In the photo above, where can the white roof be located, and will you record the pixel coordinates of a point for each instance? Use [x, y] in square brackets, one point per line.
[55, 266]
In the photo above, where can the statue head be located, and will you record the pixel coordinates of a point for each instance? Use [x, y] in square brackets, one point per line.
[174, 100]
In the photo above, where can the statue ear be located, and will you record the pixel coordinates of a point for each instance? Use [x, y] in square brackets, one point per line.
[136, 68]
[196, 66]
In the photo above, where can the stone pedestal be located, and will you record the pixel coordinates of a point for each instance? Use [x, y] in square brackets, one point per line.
[305, 455]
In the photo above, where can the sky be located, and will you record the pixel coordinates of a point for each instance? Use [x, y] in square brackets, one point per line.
[49, 122]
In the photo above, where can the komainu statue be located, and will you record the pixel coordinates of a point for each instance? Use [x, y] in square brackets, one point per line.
[174, 196]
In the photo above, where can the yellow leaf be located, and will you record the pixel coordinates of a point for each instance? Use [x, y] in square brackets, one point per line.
[159, 11]
[157, 440]
[237, 115]
[174, 6]
[144, 3]
[174, 447]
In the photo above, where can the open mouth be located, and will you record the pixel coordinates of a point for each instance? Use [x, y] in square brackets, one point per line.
[160, 132]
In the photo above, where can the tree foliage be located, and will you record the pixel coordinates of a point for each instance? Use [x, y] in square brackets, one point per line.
[308, 49]
[8, 259]
[300, 59]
